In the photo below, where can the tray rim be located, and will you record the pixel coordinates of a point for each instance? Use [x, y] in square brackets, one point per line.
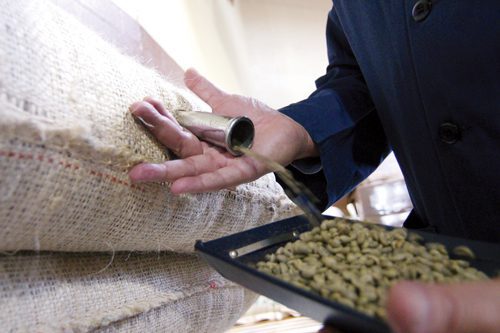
[207, 251]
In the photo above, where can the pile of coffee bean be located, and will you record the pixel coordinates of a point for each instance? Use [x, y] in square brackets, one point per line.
[356, 263]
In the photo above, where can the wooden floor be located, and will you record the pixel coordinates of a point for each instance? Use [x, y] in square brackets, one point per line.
[288, 325]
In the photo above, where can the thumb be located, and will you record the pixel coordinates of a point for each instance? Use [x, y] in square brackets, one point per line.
[461, 307]
[203, 88]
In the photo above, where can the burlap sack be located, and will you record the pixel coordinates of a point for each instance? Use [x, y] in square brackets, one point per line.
[132, 293]
[67, 141]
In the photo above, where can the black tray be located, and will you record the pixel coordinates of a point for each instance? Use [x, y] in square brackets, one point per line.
[235, 257]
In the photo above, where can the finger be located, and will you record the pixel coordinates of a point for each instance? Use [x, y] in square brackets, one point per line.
[169, 171]
[172, 170]
[147, 172]
[172, 135]
[231, 175]
[203, 88]
[210, 161]
[465, 307]
[158, 105]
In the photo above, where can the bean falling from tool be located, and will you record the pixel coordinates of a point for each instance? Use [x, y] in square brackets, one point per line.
[236, 136]
[297, 191]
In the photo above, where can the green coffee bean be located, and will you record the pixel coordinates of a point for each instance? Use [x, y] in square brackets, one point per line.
[355, 264]
[301, 248]
[463, 251]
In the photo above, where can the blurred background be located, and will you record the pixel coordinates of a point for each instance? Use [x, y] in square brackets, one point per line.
[272, 50]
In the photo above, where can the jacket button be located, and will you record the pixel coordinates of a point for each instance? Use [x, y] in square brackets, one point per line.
[449, 133]
[421, 10]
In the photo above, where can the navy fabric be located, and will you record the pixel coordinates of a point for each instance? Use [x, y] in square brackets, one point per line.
[430, 91]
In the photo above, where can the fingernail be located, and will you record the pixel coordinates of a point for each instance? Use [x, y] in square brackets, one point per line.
[146, 173]
[134, 106]
[193, 72]
[134, 179]
[145, 123]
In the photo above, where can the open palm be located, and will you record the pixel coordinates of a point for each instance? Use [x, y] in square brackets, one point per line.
[203, 167]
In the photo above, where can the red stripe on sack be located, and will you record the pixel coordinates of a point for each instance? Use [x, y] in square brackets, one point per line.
[68, 165]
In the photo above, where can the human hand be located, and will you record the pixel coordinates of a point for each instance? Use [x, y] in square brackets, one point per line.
[203, 167]
[463, 307]
[471, 307]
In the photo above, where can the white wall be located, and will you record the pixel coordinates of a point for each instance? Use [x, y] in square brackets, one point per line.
[270, 49]
[286, 47]
[188, 31]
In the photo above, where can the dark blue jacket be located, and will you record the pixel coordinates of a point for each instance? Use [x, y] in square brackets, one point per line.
[424, 81]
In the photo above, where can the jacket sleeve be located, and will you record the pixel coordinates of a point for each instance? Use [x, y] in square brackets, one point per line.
[341, 119]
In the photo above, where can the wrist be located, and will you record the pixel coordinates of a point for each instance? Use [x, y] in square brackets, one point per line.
[295, 139]
[308, 148]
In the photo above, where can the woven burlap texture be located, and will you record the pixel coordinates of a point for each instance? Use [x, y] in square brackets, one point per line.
[78, 292]
[67, 140]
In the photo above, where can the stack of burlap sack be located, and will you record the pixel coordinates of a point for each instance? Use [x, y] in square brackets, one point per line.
[82, 248]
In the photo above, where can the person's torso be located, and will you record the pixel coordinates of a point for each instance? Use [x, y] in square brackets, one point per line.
[433, 71]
